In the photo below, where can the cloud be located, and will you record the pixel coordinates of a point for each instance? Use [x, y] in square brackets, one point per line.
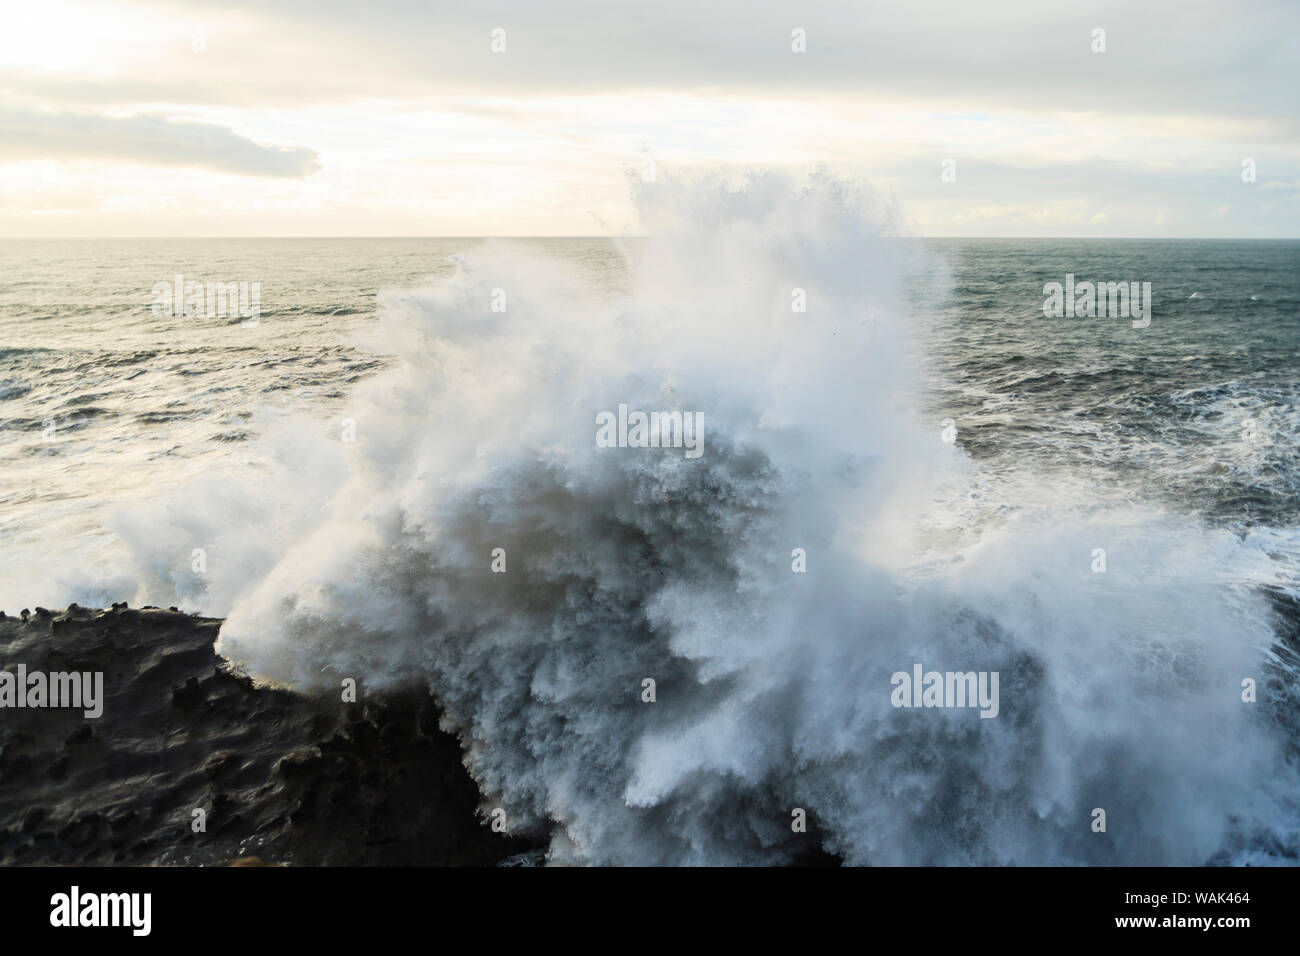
[1163, 55]
[410, 100]
[149, 140]
[1188, 57]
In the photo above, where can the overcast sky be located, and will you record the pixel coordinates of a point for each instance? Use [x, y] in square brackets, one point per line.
[397, 117]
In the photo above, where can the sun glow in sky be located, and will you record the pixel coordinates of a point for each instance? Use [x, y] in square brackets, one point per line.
[327, 118]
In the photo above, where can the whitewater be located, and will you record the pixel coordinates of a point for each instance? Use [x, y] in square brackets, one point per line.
[457, 526]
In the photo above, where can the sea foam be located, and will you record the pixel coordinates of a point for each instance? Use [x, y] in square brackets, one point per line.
[374, 560]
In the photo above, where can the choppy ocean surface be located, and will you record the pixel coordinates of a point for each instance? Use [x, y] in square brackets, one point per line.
[140, 401]
[1198, 413]
[207, 462]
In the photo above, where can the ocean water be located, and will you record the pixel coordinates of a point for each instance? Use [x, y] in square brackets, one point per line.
[1198, 411]
[1106, 516]
[142, 402]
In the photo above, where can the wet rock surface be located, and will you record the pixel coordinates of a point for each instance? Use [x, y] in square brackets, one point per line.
[278, 776]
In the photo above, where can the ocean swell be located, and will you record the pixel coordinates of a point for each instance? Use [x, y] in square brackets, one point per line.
[477, 540]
